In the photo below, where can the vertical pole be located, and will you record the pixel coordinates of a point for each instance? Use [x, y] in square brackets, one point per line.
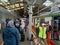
[30, 2]
[30, 21]
[52, 28]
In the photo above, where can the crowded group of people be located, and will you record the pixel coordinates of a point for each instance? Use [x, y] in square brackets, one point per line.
[13, 32]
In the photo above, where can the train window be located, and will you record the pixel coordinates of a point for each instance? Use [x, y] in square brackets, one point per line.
[57, 23]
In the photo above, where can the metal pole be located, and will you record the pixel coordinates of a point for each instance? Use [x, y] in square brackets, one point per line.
[30, 3]
[30, 20]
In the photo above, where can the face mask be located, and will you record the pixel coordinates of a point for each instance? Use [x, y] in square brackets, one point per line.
[17, 24]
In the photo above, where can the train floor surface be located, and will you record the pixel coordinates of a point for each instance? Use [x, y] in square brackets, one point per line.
[25, 43]
[57, 42]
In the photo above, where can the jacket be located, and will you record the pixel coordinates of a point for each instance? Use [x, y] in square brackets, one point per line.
[42, 32]
[11, 36]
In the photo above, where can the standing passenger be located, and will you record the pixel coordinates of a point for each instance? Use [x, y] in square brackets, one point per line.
[22, 30]
[17, 24]
[23, 26]
[37, 28]
[42, 33]
[11, 34]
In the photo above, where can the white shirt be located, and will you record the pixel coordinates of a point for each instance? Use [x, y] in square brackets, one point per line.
[23, 24]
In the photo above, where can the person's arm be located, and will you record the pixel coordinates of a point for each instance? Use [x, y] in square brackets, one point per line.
[3, 34]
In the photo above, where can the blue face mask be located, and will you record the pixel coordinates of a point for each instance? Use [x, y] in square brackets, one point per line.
[17, 24]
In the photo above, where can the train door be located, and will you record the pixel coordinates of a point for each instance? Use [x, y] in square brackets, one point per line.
[56, 27]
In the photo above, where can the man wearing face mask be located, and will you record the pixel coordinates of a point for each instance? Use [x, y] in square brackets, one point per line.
[10, 34]
[17, 24]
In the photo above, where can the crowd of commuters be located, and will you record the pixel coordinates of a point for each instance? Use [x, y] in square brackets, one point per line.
[13, 32]
[42, 30]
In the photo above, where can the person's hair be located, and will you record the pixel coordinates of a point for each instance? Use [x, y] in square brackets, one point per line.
[10, 23]
[18, 19]
[7, 20]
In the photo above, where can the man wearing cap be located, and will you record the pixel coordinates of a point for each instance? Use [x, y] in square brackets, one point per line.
[42, 33]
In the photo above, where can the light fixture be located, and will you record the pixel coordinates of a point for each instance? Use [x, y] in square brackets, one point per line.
[4, 1]
[21, 4]
[28, 8]
[12, 6]
[22, 7]
[8, 7]
[1, 3]
[47, 3]
[8, 3]
[17, 8]
[21, 0]
[33, 6]
[16, 5]
[9, 10]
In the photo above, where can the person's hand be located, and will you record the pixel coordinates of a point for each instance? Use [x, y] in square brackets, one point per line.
[2, 43]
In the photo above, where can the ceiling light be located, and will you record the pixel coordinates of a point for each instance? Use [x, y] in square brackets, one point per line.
[16, 8]
[33, 6]
[7, 7]
[47, 3]
[28, 8]
[21, 0]
[21, 4]
[22, 7]
[12, 6]
[16, 5]
[9, 10]
[8, 3]
[0, 3]
[4, 1]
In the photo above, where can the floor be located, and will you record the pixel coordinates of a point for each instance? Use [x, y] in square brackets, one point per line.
[57, 42]
[25, 43]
